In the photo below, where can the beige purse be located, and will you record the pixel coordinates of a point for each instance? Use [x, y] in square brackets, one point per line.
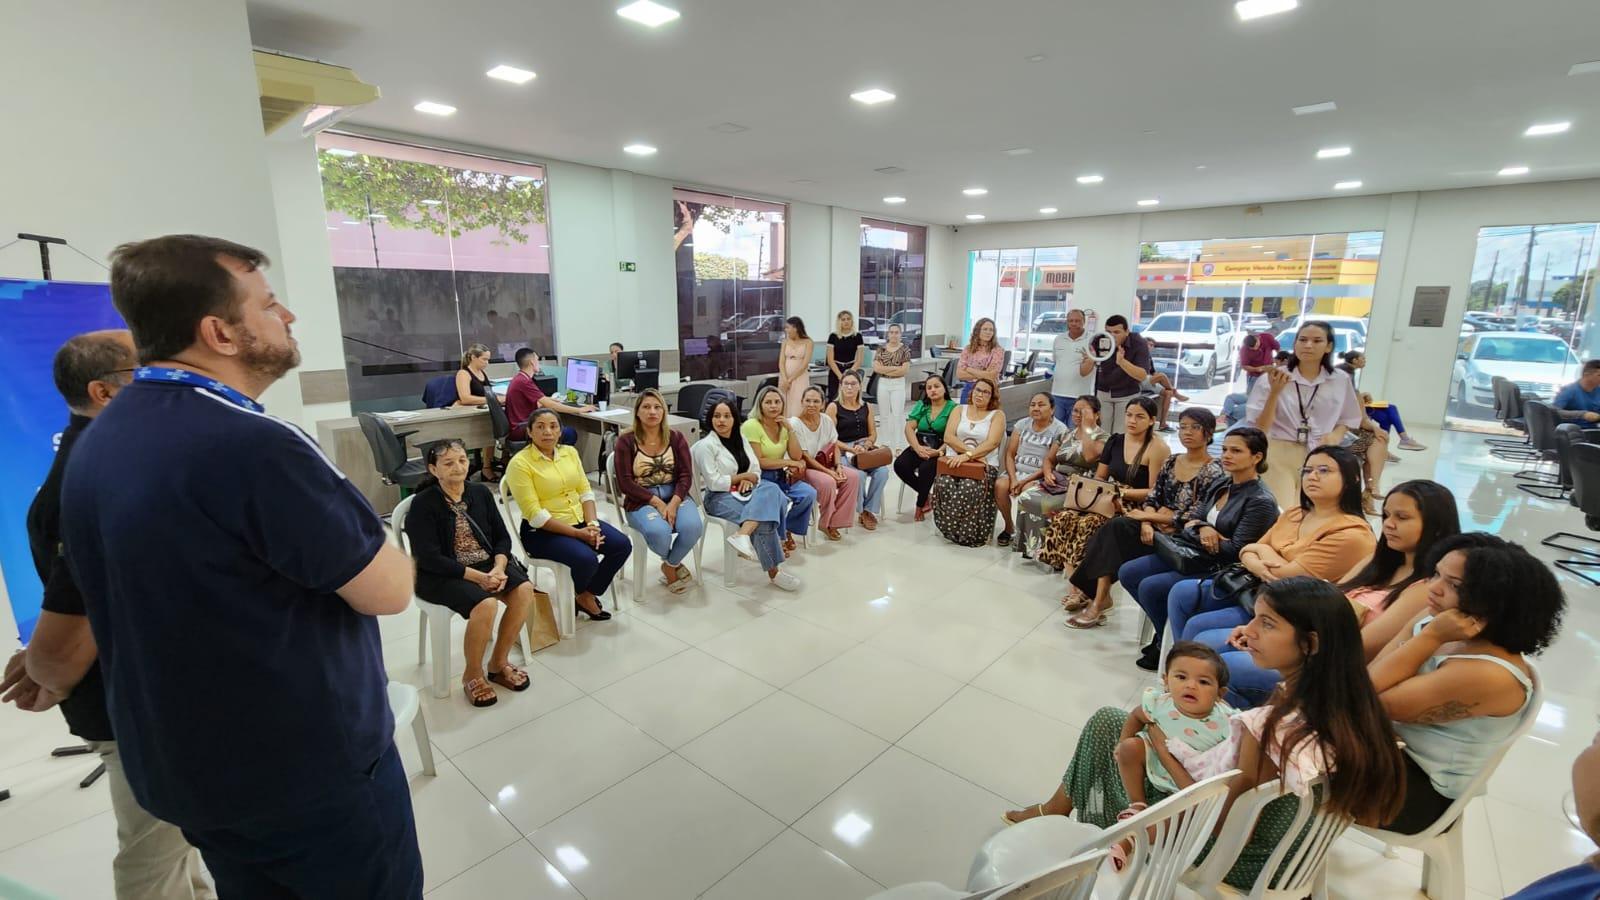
[1091, 495]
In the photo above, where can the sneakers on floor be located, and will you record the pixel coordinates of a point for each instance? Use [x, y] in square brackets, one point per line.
[783, 581]
[1409, 444]
[742, 546]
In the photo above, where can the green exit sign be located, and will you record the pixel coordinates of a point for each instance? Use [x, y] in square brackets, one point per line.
[627, 267]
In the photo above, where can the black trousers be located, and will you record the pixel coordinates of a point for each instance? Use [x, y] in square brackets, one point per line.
[1115, 543]
[917, 472]
[1423, 804]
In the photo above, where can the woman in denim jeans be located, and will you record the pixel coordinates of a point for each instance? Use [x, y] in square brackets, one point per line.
[726, 467]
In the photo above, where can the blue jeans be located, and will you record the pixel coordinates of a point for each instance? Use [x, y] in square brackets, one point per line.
[673, 544]
[1148, 580]
[1248, 684]
[872, 483]
[764, 507]
[592, 570]
[802, 498]
[966, 390]
[1189, 598]
[361, 841]
[1387, 417]
[1064, 408]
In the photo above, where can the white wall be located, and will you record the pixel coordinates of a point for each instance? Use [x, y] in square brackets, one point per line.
[1429, 239]
[141, 119]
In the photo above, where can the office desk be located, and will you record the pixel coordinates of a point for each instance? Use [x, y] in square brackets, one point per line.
[671, 391]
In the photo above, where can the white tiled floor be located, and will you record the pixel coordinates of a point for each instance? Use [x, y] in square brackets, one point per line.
[746, 743]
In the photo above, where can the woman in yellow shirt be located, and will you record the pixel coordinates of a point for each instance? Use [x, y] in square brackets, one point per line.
[778, 452]
[558, 517]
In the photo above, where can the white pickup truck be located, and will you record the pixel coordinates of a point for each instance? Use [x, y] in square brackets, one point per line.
[1201, 345]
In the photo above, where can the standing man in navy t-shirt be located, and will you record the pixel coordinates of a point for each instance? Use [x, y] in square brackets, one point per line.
[231, 576]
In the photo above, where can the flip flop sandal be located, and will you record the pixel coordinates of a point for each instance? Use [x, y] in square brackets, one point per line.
[676, 586]
[1080, 622]
[1075, 603]
[478, 698]
[505, 682]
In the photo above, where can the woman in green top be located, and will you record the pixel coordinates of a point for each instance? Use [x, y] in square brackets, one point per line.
[778, 453]
[918, 463]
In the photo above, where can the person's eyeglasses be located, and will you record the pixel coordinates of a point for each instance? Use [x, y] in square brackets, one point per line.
[1187, 426]
[103, 375]
[1319, 471]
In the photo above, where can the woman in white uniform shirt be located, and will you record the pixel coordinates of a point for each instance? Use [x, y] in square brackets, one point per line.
[1306, 404]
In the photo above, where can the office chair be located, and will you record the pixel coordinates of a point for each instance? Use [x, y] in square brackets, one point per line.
[389, 453]
[1542, 421]
[1583, 461]
[500, 423]
[1508, 409]
[870, 392]
[690, 398]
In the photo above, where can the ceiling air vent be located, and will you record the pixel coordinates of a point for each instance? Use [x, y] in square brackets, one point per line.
[307, 94]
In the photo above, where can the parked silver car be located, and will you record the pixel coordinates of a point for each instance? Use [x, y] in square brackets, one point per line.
[1539, 365]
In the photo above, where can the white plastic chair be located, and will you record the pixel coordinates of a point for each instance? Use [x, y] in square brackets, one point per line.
[1307, 871]
[434, 620]
[1443, 859]
[566, 599]
[1072, 879]
[407, 708]
[729, 557]
[641, 550]
[1181, 823]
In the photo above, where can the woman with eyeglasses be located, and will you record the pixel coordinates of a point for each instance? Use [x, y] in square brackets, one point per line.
[1303, 405]
[1325, 536]
[462, 552]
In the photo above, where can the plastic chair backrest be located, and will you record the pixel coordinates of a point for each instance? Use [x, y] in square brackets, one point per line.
[1583, 462]
[1320, 826]
[388, 451]
[498, 421]
[1181, 823]
[1072, 879]
[398, 520]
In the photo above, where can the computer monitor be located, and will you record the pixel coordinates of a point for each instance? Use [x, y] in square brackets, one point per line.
[583, 376]
[642, 367]
[935, 351]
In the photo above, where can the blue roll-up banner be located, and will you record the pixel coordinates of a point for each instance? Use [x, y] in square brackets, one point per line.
[36, 318]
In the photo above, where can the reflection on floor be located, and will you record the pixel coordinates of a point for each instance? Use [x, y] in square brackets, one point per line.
[865, 732]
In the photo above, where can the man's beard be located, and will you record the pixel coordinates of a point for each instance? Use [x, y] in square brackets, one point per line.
[267, 361]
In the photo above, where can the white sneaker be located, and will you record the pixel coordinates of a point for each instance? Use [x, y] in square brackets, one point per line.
[742, 546]
[783, 581]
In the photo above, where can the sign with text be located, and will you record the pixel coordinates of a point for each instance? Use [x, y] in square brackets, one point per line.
[1428, 304]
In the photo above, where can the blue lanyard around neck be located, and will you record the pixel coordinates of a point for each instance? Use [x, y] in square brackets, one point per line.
[165, 375]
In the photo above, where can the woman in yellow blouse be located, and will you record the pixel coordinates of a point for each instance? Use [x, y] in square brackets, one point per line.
[779, 454]
[558, 518]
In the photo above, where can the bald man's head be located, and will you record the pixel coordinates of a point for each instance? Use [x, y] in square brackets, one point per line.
[90, 368]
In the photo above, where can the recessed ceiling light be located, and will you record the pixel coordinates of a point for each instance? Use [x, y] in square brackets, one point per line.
[1509, 171]
[339, 151]
[1150, 202]
[1091, 179]
[1257, 246]
[1018, 151]
[1255, 9]
[1333, 152]
[975, 217]
[872, 96]
[1546, 128]
[647, 12]
[435, 109]
[1312, 109]
[1047, 210]
[1037, 57]
[894, 199]
[1199, 168]
[511, 74]
[430, 202]
[975, 191]
[1270, 252]
[639, 149]
[1585, 68]
[1346, 185]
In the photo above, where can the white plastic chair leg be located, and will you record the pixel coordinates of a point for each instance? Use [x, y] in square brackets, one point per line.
[641, 555]
[422, 633]
[419, 728]
[1442, 866]
[439, 632]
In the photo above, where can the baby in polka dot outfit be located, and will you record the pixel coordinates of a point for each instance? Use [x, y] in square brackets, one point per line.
[1179, 734]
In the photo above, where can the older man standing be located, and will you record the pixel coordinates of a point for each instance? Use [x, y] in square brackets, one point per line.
[1074, 367]
[232, 576]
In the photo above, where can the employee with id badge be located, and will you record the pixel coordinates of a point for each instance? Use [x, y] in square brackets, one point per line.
[1304, 404]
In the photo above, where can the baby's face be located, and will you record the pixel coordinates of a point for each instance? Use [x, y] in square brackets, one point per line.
[1193, 686]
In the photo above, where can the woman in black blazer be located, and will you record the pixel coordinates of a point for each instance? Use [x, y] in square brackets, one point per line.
[462, 552]
[1237, 511]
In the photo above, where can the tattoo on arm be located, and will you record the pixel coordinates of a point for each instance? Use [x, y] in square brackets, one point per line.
[1448, 711]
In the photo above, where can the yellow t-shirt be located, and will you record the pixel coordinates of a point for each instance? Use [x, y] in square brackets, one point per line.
[547, 488]
[764, 447]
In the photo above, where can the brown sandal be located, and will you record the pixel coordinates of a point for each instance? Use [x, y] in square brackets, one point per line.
[479, 693]
[1074, 602]
[508, 678]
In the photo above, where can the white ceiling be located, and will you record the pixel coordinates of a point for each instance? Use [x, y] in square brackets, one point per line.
[1431, 94]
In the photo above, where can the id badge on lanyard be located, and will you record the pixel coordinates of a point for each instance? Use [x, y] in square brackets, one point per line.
[1302, 431]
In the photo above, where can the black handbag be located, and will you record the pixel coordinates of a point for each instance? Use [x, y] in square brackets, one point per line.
[1236, 584]
[1182, 555]
[933, 440]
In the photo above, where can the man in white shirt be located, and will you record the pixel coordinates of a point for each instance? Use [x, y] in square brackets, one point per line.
[1074, 369]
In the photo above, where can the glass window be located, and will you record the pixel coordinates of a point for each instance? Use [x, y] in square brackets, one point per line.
[1026, 292]
[1530, 317]
[730, 258]
[1198, 301]
[432, 251]
[893, 264]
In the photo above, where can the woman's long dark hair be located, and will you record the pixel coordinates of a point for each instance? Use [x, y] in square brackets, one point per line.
[1255, 440]
[1516, 595]
[1349, 365]
[1349, 470]
[1333, 703]
[1327, 358]
[800, 327]
[972, 341]
[1437, 506]
[734, 442]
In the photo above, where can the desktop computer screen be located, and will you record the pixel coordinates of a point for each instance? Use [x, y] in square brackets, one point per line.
[583, 376]
[642, 367]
